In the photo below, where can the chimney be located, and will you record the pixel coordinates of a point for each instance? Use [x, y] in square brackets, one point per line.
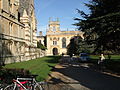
[40, 33]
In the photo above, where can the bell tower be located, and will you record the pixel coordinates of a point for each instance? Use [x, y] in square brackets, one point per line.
[54, 25]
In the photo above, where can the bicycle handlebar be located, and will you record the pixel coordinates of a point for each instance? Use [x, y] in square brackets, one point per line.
[27, 76]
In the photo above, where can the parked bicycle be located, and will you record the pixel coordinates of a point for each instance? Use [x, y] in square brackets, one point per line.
[26, 83]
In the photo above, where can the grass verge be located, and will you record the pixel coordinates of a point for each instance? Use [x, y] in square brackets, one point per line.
[112, 64]
[39, 66]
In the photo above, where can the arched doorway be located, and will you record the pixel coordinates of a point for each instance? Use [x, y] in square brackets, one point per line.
[55, 51]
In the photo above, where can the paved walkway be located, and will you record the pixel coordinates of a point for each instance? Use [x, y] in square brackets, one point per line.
[77, 76]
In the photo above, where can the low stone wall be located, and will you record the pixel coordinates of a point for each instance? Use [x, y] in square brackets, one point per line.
[19, 58]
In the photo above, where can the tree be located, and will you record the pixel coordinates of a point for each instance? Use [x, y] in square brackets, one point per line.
[84, 47]
[41, 46]
[72, 47]
[102, 26]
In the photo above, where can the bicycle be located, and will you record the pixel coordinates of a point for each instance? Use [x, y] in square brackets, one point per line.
[25, 83]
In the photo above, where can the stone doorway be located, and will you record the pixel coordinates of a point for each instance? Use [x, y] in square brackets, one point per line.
[55, 51]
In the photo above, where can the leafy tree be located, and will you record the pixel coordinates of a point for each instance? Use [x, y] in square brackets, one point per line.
[102, 26]
[72, 47]
[41, 46]
[84, 47]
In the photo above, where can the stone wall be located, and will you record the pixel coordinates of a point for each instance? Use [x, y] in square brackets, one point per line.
[18, 31]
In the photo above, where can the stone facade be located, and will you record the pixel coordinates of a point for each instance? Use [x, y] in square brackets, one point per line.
[57, 40]
[17, 31]
[41, 38]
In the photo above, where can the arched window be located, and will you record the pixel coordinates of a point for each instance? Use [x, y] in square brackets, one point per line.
[64, 42]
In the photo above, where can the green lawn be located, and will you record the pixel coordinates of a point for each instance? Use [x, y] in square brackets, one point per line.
[113, 64]
[37, 66]
[113, 57]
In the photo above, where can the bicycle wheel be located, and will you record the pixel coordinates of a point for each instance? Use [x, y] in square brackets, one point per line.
[38, 87]
[41, 86]
[45, 86]
[11, 87]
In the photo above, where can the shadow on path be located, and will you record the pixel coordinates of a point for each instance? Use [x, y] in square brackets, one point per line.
[87, 77]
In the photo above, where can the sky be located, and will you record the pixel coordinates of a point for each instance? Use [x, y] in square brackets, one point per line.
[65, 10]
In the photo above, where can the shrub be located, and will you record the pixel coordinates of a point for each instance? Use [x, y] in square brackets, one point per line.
[6, 75]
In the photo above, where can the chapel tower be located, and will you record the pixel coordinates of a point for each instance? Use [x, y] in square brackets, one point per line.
[54, 25]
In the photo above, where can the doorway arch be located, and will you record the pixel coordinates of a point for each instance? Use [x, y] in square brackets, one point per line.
[55, 51]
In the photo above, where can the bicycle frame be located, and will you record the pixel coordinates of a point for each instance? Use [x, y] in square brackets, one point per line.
[20, 84]
[25, 83]
[26, 80]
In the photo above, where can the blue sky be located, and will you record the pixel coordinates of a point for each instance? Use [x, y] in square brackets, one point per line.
[65, 10]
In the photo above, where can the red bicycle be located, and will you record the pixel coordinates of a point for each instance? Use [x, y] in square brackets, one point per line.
[25, 83]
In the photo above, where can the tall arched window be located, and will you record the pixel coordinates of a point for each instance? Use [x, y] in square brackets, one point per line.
[64, 42]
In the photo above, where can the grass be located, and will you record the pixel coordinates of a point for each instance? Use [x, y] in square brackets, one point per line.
[113, 57]
[39, 66]
[113, 64]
